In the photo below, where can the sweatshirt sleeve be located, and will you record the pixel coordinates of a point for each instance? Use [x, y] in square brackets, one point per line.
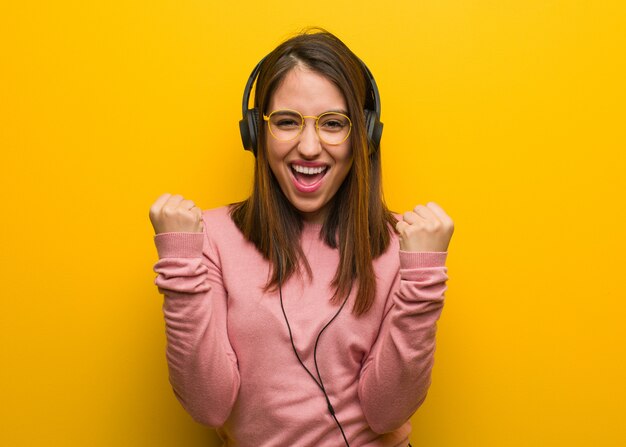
[396, 375]
[202, 365]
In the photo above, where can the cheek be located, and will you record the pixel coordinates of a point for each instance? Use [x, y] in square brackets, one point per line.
[344, 158]
[276, 154]
[276, 149]
[271, 151]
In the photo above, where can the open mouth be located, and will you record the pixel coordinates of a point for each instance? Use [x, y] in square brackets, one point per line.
[307, 178]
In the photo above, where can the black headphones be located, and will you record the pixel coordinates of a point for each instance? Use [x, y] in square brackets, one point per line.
[249, 124]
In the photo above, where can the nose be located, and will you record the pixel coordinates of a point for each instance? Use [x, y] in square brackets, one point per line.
[309, 145]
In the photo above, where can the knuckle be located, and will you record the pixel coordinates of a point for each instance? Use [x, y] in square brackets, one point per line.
[427, 227]
[413, 230]
[168, 211]
[405, 231]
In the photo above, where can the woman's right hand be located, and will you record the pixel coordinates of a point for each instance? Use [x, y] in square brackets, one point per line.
[173, 214]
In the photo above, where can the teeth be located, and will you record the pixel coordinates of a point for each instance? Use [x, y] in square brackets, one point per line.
[308, 170]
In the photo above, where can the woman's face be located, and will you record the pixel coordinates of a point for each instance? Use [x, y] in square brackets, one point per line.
[308, 170]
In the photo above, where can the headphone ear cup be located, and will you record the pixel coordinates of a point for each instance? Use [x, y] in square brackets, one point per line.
[253, 124]
[374, 129]
[248, 127]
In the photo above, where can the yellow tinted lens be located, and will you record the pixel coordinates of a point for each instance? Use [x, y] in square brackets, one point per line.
[285, 124]
[334, 128]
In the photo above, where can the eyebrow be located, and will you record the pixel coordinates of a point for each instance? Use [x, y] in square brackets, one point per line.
[345, 112]
[293, 112]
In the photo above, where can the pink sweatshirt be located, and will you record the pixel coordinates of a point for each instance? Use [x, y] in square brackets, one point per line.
[231, 362]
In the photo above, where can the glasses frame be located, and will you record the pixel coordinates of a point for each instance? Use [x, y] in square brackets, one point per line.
[266, 118]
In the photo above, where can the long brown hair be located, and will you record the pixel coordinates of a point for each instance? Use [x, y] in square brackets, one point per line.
[358, 223]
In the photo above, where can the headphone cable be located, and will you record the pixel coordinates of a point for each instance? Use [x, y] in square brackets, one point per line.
[320, 384]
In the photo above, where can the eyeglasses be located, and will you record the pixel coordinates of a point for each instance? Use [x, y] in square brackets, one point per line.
[332, 127]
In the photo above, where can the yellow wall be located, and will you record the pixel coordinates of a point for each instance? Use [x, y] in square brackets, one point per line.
[510, 114]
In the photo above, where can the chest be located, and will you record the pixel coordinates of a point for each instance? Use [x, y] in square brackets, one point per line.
[259, 326]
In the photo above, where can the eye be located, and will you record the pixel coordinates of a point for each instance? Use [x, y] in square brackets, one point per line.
[286, 123]
[286, 120]
[333, 123]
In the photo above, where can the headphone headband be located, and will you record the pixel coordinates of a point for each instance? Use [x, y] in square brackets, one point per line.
[246, 93]
[249, 124]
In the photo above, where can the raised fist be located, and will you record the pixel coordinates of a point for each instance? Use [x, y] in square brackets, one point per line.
[173, 214]
[426, 228]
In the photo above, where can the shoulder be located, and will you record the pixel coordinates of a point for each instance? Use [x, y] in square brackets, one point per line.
[220, 229]
[226, 246]
[218, 216]
[219, 221]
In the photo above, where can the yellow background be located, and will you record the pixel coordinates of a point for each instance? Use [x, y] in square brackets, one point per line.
[510, 114]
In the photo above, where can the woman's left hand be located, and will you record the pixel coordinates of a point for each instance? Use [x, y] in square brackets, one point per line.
[426, 228]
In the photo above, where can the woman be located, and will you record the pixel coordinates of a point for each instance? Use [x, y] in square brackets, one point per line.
[299, 317]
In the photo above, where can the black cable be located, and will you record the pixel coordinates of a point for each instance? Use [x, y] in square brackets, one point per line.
[319, 384]
[291, 338]
[330, 407]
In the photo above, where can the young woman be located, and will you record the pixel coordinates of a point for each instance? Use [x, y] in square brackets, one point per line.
[306, 314]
